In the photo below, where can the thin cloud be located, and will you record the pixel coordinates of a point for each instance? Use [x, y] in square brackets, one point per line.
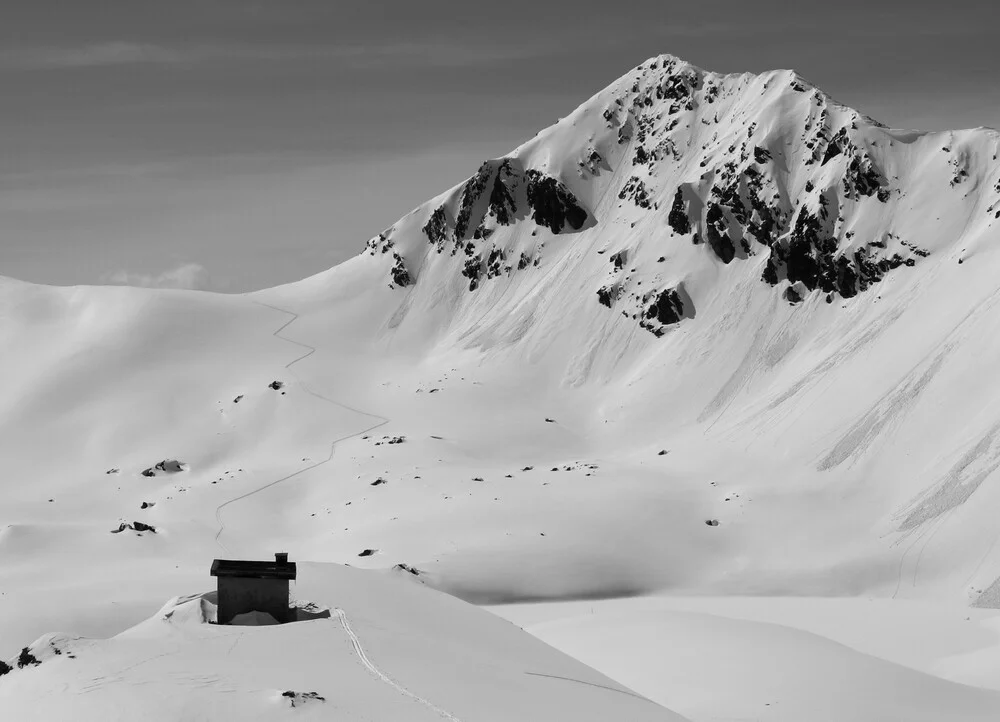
[189, 276]
[113, 53]
[435, 54]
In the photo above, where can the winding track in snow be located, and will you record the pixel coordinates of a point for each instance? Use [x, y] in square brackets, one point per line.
[360, 651]
[310, 350]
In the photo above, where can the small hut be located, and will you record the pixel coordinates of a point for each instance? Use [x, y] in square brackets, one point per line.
[251, 586]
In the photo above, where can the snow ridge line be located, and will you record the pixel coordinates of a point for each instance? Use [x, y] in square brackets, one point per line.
[333, 444]
[382, 675]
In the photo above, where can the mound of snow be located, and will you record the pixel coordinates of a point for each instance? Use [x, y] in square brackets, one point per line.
[394, 650]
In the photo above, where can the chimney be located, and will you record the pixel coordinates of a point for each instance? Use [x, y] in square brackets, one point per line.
[281, 558]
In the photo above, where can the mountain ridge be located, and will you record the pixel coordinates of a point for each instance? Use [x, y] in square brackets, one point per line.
[739, 204]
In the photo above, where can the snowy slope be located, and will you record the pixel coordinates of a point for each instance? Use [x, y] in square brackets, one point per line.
[767, 659]
[708, 334]
[390, 650]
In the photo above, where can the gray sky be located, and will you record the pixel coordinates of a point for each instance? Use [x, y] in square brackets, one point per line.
[237, 144]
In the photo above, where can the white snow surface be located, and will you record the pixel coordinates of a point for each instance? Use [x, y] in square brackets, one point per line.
[362, 661]
[523, 442]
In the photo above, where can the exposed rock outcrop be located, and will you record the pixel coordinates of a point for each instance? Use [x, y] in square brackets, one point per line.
[553, 205]
[678, 219]
[436, 228]
[400, 276]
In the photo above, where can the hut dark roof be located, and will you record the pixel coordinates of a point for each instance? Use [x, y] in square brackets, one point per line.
[276, 569]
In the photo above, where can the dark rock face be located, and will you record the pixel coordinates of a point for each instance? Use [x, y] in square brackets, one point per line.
[4, 668]
[619, 259]
[400, 276]
[761, 155]
[471, 193]
[678, 219]
[607, 295]
[716, 233]
[810, 256]
[863, 178]
[625, 133]
[27, 659]
[666, 148]
[276, 385]
[367, 552]
[436, 228]
[552, 203]
[523, 262]
[679, 88]
[592, 162]
[635, 191]
[473, 270]
[667, 307]
[408, 569]
[836, 146]
[495, 263]
[792, 295]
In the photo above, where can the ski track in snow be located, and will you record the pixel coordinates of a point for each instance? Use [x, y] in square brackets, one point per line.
[382, 675]
[310, 350]
[591, 684]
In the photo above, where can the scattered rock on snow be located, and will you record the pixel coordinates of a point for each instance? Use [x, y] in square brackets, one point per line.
[297, 699]
[276, 385]
[135, 526]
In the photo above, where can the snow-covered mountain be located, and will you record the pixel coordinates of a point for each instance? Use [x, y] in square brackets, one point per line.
[776, 288]
[711, 334]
